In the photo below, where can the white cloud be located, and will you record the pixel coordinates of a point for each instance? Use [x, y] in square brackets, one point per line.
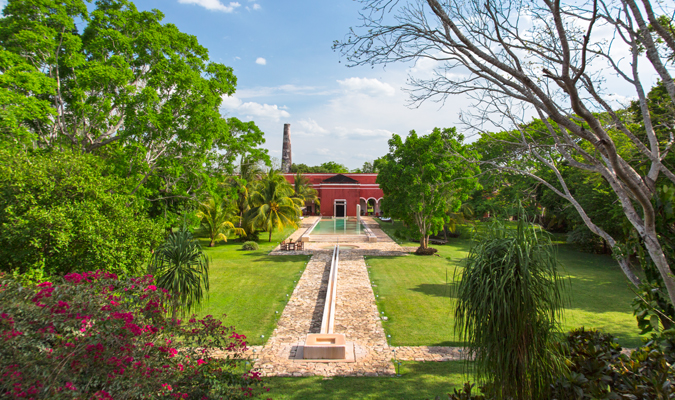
[310, 127]
[362, 134]
[214, 5]
[256, 6]
[263, 91]
[260, 61]
[369, 86]
[253, 109]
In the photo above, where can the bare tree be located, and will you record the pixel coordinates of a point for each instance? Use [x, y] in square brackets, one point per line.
[546, 59]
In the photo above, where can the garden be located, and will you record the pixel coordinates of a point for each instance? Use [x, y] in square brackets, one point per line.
[137, 218]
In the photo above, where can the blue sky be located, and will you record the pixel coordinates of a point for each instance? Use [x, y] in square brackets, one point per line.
[288, 73]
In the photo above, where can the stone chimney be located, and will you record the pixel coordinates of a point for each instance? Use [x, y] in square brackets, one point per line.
[286, 150]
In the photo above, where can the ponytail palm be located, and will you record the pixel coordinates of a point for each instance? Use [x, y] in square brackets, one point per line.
[509, 302]
[215, 219]
[181, 267]
[272, 204]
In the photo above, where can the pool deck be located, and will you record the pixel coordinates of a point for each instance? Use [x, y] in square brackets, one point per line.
[357, 316]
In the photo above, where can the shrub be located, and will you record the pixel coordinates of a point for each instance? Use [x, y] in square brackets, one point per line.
[598, 370]
[250, 246]
[61, 212]
[93, 335]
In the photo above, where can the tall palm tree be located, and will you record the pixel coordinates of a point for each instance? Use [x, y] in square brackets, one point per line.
[509, 301]
[182, 268]
[215, 219]
[272, 204]
[303, 191]
[248, 173]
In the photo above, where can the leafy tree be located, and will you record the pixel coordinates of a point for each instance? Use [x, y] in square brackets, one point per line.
[181, 268]
[138, 92]
[420, 176]
[509, 302]
[544, 64]
[273, 205]
[63, 212]
[215, 215]
[329, 167]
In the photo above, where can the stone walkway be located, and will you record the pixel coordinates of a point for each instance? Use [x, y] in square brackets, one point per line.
[356, 315]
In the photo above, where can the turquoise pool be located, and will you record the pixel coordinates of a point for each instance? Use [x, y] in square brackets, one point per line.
[338, 226]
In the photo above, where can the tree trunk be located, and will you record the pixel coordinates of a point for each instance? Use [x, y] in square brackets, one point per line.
[423, 242]
[213, 243]
[270, 235]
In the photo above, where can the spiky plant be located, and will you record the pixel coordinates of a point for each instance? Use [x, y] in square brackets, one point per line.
[181, 267]
[509, 302]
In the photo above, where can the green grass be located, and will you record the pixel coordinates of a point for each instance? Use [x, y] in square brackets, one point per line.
[250, 286]
[413, 294]
[418, 380]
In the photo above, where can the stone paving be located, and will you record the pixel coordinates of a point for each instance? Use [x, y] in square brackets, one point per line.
[356, 315]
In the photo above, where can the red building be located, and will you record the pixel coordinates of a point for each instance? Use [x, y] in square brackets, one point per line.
[340, 194]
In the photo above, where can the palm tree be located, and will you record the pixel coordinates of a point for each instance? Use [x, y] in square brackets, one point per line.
[272, 204]
[509, 301]
[248, 173]
[215, 219]
[182, 268]
[303, 191]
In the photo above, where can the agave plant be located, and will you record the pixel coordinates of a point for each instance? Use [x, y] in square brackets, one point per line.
[509, 301]
[181, 267]
[215, 219]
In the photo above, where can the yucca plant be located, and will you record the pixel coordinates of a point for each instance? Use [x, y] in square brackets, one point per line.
[181, 267]
[509, 301]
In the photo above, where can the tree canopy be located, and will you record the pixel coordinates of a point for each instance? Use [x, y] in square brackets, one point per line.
[422, 180]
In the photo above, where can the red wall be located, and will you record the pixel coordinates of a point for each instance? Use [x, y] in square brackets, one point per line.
[366, 188]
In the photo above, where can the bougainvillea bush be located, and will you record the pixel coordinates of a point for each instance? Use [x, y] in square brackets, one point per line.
[94, 336]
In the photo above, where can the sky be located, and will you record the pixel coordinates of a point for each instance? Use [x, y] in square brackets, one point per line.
[287, 72]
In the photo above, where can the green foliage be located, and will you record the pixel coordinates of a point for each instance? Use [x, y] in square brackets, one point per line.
[509, 302]
[94, 336]
[128, 87]
[273, 205]
[62, 212]
[250, 246]
[215, 215]
[598, 370]
[182, 268]
[422, 181]
[303, 190]
[329, 167]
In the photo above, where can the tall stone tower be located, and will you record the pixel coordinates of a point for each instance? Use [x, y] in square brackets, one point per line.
[286, 151]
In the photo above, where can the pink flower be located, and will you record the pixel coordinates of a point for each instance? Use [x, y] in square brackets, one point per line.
[200, 362]
[150, 287]
[167, 386]
[45, 284]
[73, 277]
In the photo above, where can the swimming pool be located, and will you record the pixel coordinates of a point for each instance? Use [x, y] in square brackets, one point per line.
[338, 226]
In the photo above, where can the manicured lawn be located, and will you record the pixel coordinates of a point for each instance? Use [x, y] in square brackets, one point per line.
[417, 381]
[250, 286]
[412, 292]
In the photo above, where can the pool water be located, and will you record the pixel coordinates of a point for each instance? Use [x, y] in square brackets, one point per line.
[338, 226]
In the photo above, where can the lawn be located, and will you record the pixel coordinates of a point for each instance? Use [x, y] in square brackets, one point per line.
[413, 293]
[250, 287]
[418, 380]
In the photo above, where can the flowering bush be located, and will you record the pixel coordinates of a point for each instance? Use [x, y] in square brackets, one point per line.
[95, 336]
